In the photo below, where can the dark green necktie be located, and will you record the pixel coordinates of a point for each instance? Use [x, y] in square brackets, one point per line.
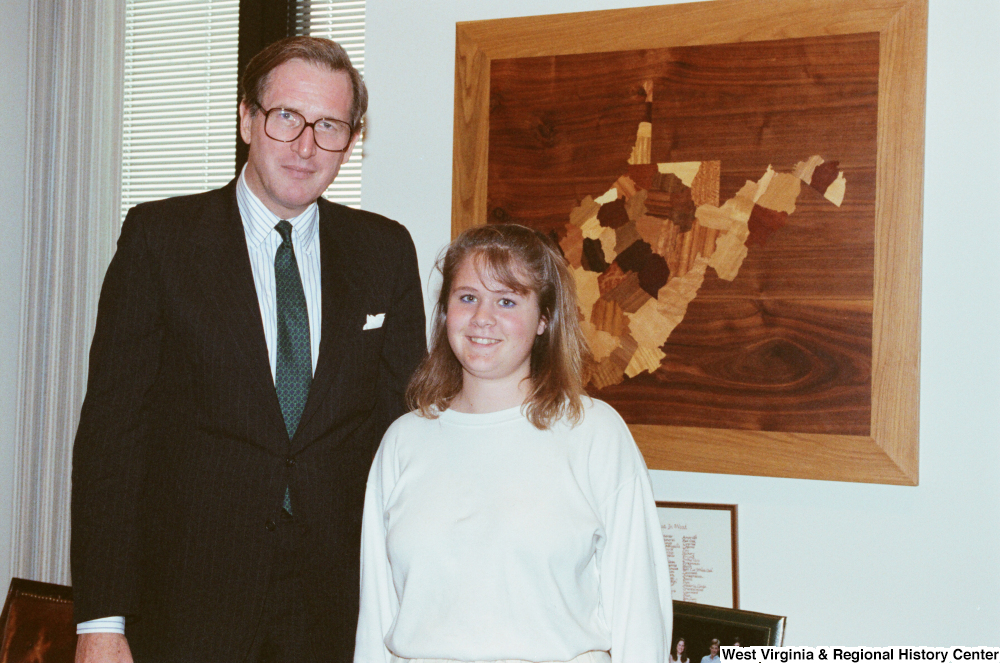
[293, 368]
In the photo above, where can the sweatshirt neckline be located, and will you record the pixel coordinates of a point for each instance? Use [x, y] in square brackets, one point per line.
[482, 419]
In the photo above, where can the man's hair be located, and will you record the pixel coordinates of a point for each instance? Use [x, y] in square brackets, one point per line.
[524, 261]
[320, 52]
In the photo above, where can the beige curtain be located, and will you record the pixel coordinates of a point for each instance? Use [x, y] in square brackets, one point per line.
[72, 192]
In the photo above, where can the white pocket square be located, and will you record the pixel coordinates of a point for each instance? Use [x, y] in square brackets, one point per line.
[374, 321]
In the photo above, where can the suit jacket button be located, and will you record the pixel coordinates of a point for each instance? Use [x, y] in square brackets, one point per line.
[289, 461]
[270, 525]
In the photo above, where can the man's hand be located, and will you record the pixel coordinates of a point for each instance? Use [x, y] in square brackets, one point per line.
[102, 648]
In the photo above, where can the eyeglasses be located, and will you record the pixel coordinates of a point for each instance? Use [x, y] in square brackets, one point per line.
[285, 125]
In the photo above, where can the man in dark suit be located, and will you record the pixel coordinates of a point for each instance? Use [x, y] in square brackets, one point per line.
[252, 345]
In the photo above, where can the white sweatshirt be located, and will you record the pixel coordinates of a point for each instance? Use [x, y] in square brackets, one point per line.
[486, 539]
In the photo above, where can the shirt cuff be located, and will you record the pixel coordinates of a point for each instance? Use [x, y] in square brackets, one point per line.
[102, 625]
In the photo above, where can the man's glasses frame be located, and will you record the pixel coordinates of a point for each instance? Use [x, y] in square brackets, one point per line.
[271, 112]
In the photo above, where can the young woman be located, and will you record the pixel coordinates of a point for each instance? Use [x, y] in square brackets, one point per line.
[679, 656]
[509, 517]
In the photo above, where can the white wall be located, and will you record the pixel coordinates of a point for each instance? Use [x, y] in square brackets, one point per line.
[849, 564]
[14, 83]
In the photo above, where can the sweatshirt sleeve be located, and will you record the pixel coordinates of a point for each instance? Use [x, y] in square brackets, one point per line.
[635, 576]
[379, 603]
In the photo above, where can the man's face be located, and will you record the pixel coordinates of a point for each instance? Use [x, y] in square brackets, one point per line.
[288, 177]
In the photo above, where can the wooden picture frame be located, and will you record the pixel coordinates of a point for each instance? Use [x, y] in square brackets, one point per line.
[697, 624]
[37, 622]
[889, 452]
[720, 539]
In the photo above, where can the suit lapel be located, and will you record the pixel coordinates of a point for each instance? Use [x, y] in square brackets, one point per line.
[226, 276]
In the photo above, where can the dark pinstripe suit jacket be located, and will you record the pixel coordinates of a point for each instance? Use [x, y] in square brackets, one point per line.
[181, 458]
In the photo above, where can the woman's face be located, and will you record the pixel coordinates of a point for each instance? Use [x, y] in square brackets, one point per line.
[680, 647]
[491, 328]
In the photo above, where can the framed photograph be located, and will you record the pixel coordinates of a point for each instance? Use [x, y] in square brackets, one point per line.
[37, 620]
[698, 625]
[702, 552]
[738, 187]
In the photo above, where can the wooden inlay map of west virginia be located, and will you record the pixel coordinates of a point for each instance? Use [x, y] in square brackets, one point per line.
[717, 206]
[641, 250]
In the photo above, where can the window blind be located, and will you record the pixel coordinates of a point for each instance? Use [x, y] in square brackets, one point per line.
[179, 111]
[179, 104]
[343, 21]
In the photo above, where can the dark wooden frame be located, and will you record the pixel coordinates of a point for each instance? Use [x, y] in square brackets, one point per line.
[772, 627]
[889, 454]
[733, 535]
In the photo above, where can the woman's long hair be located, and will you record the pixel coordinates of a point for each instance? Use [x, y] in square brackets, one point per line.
[680, 657]
[525, 261]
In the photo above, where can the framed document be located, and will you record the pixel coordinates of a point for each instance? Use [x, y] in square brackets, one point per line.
[701, 549]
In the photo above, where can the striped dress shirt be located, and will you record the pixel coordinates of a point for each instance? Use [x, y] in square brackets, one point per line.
[262, 242]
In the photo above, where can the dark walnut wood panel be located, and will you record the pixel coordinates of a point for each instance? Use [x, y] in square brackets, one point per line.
[821, 252]
[787, 345]
[764, 365]
[562, 127]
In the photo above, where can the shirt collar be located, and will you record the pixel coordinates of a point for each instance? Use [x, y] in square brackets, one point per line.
[259, 222]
